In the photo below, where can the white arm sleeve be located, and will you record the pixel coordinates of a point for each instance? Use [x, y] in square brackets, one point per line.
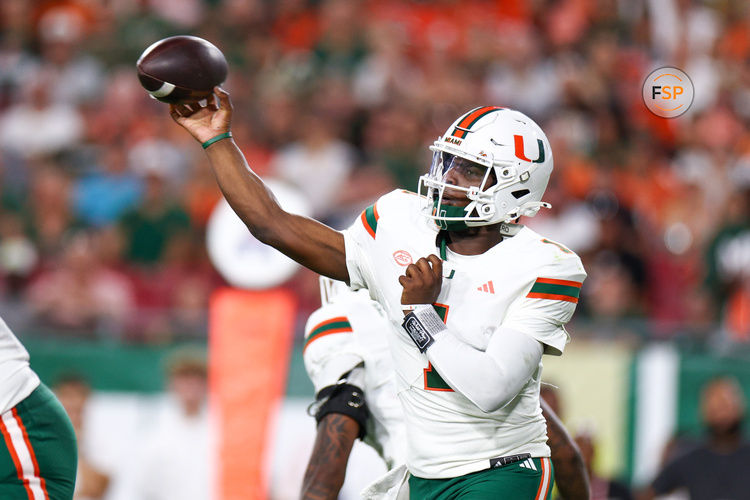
[490, 379]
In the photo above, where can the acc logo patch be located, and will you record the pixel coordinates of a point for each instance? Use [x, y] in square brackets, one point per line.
[402, 257]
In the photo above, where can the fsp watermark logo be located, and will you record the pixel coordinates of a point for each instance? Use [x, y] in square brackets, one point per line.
[668, 92]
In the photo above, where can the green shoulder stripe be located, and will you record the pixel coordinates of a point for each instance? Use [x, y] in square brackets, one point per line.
[334, 325]
[554, 289]
[370, 219]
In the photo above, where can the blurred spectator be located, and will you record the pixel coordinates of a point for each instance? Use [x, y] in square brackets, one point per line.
[318, 164]
[387, 71]
[573, 223]
[521, 76]
[184, 13]
[687, 31]
[601, 488]
[77, 77]
[159, 156]
[135, 28]
[36, 125]
[12, 187]
[47, 209]
[716, 467]
[295, 24]
[201, 195]
[728, 263]
[177, 461]
[615, 263]
[92, 481]
[159, 217]
[103, 196]
[17, 64]
[174, 297]
[18, 255]
[340, 46]
[392, 139]
[81, 296]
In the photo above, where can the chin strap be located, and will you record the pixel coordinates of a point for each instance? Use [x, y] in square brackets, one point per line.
[450, 211]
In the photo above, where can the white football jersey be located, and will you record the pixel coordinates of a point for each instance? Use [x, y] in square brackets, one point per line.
[348, 330]
[17, 378]
[525, 282]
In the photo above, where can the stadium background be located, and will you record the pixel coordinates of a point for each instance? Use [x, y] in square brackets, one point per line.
[104, 201]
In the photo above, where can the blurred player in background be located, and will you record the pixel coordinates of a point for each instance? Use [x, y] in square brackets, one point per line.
[39, 457]
[177, 461]
[475, 321]
[602, 488]
[346, 357]
[716, 467]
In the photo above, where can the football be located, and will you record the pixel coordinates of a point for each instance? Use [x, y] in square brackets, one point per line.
[181, 69]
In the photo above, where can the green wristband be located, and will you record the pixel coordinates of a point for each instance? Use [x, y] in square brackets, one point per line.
[225, 135]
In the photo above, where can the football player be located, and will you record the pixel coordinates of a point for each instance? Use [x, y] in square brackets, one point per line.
[39, 458]
[347, 359]
[474, 298]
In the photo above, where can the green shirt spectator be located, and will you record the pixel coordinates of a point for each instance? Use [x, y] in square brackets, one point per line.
[148, 228]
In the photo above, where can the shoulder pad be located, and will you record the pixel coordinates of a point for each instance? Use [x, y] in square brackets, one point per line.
[399, 208]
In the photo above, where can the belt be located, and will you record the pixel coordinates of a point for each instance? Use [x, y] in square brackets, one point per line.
[496, 463]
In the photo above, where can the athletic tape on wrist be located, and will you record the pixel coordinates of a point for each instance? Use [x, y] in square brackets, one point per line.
[422, 325]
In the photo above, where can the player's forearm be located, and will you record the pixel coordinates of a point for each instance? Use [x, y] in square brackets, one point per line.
[492, 378]
[570, 473]
[305, 240]
[243, 189]
[326, 469]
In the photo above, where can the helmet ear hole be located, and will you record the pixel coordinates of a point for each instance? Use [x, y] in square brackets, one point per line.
[506, 172]
[520, 193]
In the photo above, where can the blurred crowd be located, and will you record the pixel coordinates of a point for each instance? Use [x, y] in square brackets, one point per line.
[104, 201]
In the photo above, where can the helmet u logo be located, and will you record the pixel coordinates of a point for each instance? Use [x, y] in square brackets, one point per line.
[521, 155]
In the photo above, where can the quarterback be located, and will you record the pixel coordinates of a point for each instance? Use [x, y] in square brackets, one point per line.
[39, 458]
[474, 299]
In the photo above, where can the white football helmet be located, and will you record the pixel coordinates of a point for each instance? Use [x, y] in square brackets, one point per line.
[505, 142]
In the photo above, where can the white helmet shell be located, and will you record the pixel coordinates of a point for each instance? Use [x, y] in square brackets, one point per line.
[508, 143]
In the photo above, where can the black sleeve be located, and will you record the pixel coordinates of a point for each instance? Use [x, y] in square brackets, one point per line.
[345, 399]
[671, 477]
[618, 491]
